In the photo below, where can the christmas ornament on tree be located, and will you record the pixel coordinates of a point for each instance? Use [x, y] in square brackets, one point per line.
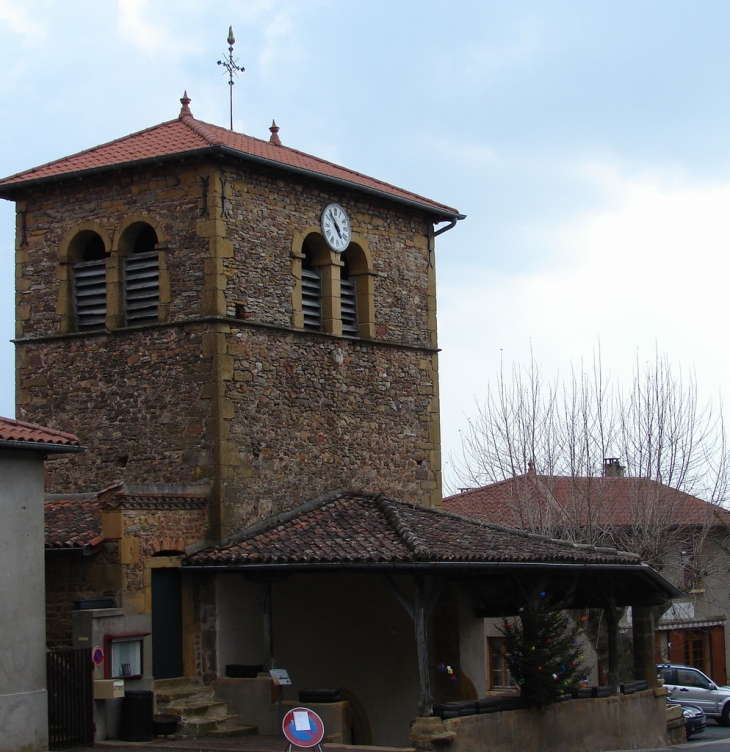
[542, 650]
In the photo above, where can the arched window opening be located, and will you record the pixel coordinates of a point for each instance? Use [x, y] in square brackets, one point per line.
[141, 274]
[89, 280]
[311, 291]
[356, 292]
[348, 300]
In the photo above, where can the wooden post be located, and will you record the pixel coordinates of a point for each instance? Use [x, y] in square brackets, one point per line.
[268, 626]
[643, 633]
[420, 611]
[612, 629]
[420, 616]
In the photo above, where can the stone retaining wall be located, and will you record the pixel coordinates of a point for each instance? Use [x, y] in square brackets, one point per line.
[635, 721]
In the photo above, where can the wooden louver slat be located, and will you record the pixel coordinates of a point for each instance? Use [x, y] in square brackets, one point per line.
[312, 299]
[141, 287]
[89, 279]
[348, 306]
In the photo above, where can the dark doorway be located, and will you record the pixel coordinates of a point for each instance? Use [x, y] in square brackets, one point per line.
[166, 624]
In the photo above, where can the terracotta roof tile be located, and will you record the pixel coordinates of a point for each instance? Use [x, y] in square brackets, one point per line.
[30, 433]
[360, 528]
[72, 521]
[185, 135]
[533, 501]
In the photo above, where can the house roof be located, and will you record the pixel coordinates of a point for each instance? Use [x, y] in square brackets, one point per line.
[365, 528]
[532, 501]
[187, 137]
[17, 434]
[366, 532]
[73, 521]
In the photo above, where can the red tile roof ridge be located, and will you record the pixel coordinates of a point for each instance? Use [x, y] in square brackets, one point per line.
[21, 431]
[209, 130]
[392, 514]
[203, 130]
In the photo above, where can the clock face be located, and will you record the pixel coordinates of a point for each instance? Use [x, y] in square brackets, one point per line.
[336, 227]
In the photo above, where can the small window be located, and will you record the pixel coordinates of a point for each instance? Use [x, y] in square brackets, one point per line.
[124, 655]
[311, 294]
[89, 281]
[499, 675]
[141, 276]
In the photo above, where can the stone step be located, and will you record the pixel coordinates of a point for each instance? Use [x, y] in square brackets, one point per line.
[180, 681]
[210, 710]
[231, 732]
[197, 728]
[183, 694]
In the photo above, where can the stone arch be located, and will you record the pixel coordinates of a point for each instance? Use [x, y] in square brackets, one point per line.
[316, 270]
[359, 266]
[310, 253]
[82, 271]
[138, 253]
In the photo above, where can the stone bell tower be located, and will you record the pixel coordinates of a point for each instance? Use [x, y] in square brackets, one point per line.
[194, 303]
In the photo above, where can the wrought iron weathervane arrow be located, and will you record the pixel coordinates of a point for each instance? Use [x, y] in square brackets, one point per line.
[231, 66]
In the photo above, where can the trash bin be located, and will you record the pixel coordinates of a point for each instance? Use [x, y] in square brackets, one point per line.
[137, 708]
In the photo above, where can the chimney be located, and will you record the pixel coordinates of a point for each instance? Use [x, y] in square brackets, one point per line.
[612, 468]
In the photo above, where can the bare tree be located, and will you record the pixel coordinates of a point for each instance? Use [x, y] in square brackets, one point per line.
[552, 438]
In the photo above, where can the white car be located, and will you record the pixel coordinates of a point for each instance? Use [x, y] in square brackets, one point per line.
[689, 686]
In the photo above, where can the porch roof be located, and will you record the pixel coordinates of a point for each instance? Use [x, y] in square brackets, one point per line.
[356, 531]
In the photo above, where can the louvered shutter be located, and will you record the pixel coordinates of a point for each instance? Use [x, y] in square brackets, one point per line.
[90, 294]
[312, 299]
[141, 287]
[348, 306]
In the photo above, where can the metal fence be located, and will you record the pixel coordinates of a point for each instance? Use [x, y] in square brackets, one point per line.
[70, 698]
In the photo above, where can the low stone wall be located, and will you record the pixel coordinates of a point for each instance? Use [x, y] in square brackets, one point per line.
[636, 721]
[256, 701]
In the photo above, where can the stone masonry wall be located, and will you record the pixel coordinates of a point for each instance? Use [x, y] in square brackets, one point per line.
[271, 415]
[317, 413]
[135, 399]
[266, 208]
[171, 199]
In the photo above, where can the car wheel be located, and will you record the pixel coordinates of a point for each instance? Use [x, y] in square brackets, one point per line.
[725, 717]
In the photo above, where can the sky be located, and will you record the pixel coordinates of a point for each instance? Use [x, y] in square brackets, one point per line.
[588, 144]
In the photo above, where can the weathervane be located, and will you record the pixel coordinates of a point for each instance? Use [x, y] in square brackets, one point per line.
[231, 66]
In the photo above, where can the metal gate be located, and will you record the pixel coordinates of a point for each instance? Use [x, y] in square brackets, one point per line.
[70, 698]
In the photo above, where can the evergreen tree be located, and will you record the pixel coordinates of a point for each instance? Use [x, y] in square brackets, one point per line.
[543, 651]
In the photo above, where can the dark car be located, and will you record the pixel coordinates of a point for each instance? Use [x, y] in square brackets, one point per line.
[695, 721]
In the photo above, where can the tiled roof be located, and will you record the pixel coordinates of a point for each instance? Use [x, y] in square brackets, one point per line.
[73, 521]
[155, 496]
[20, 432]
[188, 136]
[361, 528]
[533, 501]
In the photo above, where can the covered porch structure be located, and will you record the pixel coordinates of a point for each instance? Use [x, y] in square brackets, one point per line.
[374, 596]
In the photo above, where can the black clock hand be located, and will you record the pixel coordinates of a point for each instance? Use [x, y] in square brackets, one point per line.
[337, 227]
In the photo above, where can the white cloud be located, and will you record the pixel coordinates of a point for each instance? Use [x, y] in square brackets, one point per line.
[649, 271]
[24, 18]
[136, 25]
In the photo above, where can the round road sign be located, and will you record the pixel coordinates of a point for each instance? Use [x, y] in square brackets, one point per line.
[303, 727]
[97, 655]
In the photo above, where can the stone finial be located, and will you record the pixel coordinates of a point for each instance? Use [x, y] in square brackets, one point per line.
[185, 110]
[274, 134]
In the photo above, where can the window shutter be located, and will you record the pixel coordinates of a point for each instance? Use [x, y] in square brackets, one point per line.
[141, 287]
[312, 299]
[90, 294]
[348, 306]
